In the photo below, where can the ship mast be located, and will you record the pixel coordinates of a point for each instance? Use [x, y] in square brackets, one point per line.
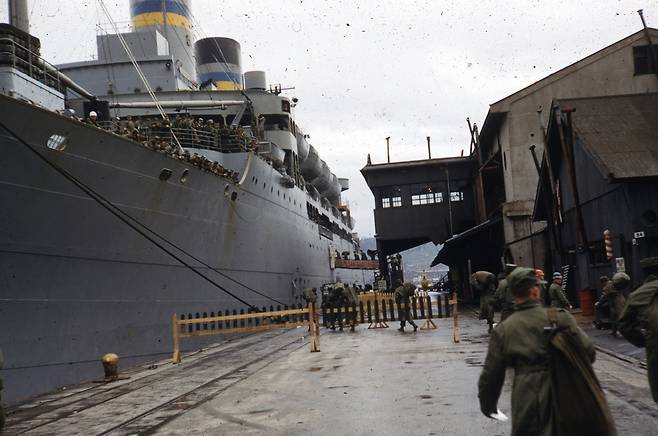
[18, 15]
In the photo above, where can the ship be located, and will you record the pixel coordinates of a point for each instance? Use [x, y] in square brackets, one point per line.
[193, 190]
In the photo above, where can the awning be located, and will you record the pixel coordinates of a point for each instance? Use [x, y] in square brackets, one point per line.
[461, 245]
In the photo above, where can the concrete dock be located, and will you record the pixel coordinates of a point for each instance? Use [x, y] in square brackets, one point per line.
[370, 382]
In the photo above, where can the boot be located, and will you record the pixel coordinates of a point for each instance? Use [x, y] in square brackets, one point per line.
[401, 329]
[415, 328]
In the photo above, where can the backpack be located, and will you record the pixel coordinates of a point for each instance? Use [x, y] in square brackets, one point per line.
[573, 381]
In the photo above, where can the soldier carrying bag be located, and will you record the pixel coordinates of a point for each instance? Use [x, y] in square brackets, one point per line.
[573, 382]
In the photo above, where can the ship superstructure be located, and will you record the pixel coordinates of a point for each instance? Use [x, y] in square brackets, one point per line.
[109, 227]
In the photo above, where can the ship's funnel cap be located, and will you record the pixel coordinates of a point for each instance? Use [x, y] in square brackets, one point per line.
[255, 80]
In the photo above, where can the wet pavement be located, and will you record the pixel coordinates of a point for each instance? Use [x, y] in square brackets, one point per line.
[605, 341]
[369, 382]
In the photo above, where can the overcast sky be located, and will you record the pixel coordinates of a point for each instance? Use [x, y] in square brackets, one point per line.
[365, 70]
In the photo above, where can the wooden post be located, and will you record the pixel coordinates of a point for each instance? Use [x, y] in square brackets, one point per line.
[174, 326]
[314, 329]
[455, 319]
[428, 324]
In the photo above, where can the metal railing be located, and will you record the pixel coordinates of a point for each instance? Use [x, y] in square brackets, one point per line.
[224, 140]
[28, 62]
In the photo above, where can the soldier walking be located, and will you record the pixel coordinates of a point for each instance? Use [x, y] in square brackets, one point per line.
[639, 320]
[558, 299]
[521, 343]
[350, 299]
[503, 298]
[336, 301]
[616, 299]
[484, 283]
[403, 293]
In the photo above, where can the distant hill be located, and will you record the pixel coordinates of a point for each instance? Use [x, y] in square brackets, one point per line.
[414, 261]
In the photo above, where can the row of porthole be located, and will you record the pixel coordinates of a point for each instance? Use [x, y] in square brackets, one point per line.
[166, 173]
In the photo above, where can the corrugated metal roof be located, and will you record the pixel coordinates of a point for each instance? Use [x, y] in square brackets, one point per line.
[620, 132]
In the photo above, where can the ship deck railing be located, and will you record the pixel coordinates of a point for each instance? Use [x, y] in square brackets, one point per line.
[222, 140]
[23, 59]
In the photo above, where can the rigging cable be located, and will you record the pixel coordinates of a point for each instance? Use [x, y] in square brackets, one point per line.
[114, 210]
[140, 73]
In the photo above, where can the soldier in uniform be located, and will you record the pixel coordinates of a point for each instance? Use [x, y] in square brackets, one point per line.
[484, 283]
[335, 302]
[403, 293]
[558, 299]
[310, 295]
[542, 287]
[350, 299]
[616, 300]
[639, 319]
[521, 343]
[92, 119]
[503, 297]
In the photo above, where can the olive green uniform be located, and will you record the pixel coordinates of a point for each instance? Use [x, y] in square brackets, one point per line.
[483, 282]
[521, 343]
[616, 302]
[504, 300]
[636, 326]
[558, 299]
[350, 299]
[402, 295]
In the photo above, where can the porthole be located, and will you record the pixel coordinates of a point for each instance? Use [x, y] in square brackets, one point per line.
[183, 176]
[226, 191]
[57, 142]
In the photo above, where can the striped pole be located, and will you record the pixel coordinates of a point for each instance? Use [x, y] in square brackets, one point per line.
[609, 254]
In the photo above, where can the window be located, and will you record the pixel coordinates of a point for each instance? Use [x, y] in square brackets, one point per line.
[644, 62]
[419, 199]
[456, 196]
[391, 202]
[277, 122]
[427, 198]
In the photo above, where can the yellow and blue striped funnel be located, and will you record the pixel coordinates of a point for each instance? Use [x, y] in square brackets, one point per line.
[147, 13]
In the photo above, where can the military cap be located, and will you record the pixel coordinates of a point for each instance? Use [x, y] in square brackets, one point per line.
[509, 267]
[520, 277]
[620, 280]
[557, 275]
[649, 262]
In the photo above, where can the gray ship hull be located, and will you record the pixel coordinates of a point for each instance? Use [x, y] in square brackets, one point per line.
[76, 282]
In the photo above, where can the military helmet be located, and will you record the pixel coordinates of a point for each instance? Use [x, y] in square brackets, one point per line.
[520, 277]
[621, 280]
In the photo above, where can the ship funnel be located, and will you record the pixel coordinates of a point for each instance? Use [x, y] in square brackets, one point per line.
[172, 19]
[255, 80]
[18, 15]
[219, 62]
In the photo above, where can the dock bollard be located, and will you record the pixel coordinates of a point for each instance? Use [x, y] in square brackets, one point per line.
[111, 367]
